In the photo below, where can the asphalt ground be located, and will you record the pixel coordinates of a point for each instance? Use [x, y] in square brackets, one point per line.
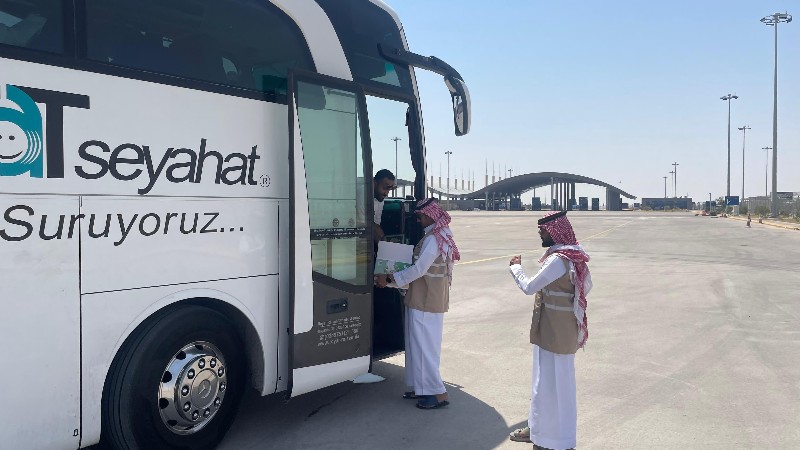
[694, 343]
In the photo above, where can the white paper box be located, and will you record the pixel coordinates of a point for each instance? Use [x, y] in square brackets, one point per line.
[393, 257]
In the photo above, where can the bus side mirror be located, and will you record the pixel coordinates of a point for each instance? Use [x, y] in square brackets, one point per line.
[462, 114]
[455, 84]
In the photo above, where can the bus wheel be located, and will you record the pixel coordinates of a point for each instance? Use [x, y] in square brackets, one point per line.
[176, 382]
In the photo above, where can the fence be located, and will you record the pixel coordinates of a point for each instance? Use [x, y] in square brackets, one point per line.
[789, 208]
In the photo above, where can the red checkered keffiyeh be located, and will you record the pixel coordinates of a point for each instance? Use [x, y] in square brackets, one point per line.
[567, 247]
[441, 231]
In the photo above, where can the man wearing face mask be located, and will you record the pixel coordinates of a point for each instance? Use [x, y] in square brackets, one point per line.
[558, 330]
[428, 280]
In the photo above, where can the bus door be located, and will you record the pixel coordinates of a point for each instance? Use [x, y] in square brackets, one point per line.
[331, 242]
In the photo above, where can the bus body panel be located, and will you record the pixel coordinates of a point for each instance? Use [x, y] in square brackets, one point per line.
[115, 315]
[308, 379]
[40, 325]
[237, 267]
[303, 288]
[285, 309]
[168, 241]
[326, 51]
[189, 143]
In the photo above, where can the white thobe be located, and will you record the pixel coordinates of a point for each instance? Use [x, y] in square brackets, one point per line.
[553, 413]
[423, 330]
[377, 208]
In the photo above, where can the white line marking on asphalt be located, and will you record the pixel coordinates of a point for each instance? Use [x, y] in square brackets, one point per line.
[495, 258]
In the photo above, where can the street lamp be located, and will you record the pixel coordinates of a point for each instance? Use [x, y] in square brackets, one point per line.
[448, 153]
[744, 139]
[766, 171]
[773, 21]
[675, 180]
[665, 192]
[395, 139]
[728, 98]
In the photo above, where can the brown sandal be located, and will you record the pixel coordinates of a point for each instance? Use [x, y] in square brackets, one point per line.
[521, 435]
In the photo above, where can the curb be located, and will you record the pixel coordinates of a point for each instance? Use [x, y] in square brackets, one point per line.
[768, 224]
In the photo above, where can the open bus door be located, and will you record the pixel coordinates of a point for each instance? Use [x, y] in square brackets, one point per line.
[331, 259]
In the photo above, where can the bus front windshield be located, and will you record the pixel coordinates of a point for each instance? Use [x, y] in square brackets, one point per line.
[361, 26]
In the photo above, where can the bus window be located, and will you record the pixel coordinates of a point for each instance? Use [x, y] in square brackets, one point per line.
[246, 44]
[35, 25]
[334, 162]
[389, 140]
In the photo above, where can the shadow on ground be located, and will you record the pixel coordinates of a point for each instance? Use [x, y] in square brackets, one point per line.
[366, 416]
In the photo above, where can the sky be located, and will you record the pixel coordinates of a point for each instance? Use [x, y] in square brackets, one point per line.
[614, 90]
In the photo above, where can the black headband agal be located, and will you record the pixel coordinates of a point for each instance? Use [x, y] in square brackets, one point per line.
[423, 204]
[555, 216]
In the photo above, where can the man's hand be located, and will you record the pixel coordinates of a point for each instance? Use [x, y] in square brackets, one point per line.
[378, 233]
[381, 281]
[515, 260]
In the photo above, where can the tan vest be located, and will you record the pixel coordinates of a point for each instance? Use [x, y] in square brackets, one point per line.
[553, 326]
[430, 292]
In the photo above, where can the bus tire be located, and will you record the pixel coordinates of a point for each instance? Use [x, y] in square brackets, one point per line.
[175, 383]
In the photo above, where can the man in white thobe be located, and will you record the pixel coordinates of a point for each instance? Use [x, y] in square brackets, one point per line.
[428, 280]
[558, 330]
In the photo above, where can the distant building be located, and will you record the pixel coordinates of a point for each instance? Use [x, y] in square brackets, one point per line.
[667, 203]
[788, 203]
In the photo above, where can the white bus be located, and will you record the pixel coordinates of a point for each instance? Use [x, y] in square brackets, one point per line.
[180, 187]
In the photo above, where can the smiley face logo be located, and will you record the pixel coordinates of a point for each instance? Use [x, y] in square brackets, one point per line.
[21, 146]
[13, 143]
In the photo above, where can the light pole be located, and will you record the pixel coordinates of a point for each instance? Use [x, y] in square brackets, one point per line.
[766, 171]
[773, 21]
[395, 139]
[675, 180]
[728, 98]
[665, 192]
[448, 153]
[744, 140]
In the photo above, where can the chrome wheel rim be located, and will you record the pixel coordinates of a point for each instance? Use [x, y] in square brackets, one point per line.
[192, 388]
